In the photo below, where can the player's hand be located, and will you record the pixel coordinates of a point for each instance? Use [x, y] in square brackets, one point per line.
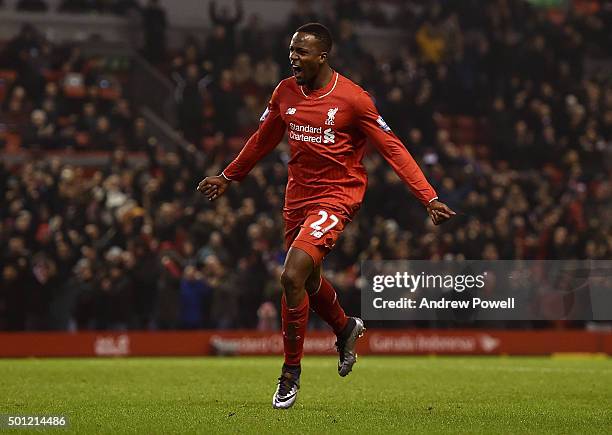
[439, 212]
[213, 187]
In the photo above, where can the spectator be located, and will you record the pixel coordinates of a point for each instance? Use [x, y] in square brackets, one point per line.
[252, 39]
[224, 18]
[227, 102]
[219, 49]
[40, 133]
[101, 138]
[72, 298]
[194, 294]
[268, 317]
[168, 289]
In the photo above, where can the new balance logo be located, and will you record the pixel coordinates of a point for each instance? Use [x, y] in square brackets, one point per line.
[291, 111]
[331, 114]
[329, 136]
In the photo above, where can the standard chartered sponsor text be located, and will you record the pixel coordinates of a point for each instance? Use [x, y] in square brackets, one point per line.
[305, 137]
[305, 128]
[300, 133]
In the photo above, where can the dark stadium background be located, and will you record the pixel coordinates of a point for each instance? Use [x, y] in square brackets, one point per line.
[111, 112]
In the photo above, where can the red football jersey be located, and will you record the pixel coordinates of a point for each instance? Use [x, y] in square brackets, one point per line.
[327, 132]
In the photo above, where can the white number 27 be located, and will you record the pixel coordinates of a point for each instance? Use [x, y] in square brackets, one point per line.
[318, 229]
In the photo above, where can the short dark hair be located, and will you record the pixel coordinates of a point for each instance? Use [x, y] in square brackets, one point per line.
[320, 32]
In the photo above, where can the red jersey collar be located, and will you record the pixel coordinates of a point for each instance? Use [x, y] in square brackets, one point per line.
[322, 92]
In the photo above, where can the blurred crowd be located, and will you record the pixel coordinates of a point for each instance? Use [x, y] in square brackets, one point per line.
[62, 100]
[135, 247]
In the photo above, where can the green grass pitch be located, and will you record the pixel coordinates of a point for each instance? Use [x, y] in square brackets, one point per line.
[382, 395]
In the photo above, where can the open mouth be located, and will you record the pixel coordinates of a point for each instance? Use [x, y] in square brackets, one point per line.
[297, 71]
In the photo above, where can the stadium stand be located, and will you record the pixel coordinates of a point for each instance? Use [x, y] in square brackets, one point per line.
[507, 108]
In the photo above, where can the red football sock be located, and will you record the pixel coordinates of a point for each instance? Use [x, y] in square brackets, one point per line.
[325, 303]
[294, 321]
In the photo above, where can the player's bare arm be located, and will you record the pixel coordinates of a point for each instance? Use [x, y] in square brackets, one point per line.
[214, 187]
[439, 212]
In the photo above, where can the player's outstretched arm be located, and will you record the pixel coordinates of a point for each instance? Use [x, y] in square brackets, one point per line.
[394, 152]
[439, 212]
[214, 187]
[270, 132]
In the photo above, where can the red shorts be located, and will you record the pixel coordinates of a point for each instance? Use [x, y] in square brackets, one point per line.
[314, 230]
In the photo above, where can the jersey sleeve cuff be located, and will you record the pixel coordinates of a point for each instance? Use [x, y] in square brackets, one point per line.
[432, 199]
[226, 177]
